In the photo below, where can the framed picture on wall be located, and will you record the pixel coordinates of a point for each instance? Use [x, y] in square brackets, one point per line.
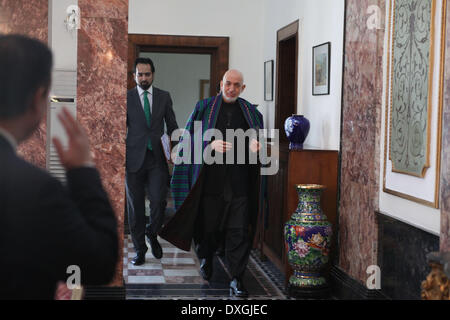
[268, 80]
[321, 69]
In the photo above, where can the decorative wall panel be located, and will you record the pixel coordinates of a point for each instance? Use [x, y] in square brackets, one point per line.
[414, 100]
[412, 72]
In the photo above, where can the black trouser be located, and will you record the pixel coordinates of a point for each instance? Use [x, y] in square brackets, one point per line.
[152, 177]
[226, 217]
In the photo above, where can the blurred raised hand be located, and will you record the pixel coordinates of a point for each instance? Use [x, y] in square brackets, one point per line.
[77, 154]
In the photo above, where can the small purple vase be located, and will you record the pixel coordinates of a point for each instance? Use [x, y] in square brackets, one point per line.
[297, 129]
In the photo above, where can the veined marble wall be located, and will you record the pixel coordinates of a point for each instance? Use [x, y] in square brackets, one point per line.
[28, 17]
[361, 131]
[361, 128]
[101, 95]
[445, 149]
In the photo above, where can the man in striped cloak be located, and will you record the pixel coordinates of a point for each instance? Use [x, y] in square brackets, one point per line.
[215, 201]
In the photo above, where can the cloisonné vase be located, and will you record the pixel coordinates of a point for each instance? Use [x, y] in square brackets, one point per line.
[308, 239]
[297, 129]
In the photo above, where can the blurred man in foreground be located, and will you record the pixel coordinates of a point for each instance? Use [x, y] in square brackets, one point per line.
[47, 228]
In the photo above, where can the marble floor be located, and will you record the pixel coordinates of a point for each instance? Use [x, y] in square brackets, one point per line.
[176, 276]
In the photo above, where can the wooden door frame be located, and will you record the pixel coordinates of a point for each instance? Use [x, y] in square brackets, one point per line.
[286, 33]
[283, 34]
[217, 47]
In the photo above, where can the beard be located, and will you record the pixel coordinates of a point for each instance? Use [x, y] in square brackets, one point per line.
[227, 98]
[145, 85]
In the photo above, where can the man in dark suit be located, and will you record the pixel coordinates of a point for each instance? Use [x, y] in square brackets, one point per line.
[148, 108]
[47, 228]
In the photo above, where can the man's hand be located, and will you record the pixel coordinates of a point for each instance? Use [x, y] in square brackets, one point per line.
[221, 146]
[255, 146]
[77, 153]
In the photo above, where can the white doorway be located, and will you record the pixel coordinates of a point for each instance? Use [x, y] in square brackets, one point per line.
[186, 76]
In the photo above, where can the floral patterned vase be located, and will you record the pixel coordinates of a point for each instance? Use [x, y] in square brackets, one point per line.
[308, 239]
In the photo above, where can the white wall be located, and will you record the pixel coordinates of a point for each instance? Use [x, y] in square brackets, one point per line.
[320, 21]
[180, 74]
[252, 27]
[241, 20]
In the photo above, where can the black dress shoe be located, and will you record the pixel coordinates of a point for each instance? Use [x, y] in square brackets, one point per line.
[206, 268]
[138, 260]
[237, 289]
[156, 247]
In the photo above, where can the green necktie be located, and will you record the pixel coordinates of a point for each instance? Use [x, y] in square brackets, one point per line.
[148, 115]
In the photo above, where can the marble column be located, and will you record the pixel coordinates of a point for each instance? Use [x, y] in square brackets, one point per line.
[101, 95]
[445, 149]
[28, 17]
[361, 129]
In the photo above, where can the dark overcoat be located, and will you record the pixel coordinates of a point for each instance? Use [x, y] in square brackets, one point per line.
[187, 179]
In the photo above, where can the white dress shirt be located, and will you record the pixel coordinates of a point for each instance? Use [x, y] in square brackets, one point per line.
[149, 96]
[12, 141]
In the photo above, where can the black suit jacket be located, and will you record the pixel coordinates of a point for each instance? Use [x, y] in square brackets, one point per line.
[138, 130]
[47, 227]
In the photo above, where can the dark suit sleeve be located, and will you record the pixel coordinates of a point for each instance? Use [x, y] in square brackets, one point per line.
[169, 117]
[84, 226]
